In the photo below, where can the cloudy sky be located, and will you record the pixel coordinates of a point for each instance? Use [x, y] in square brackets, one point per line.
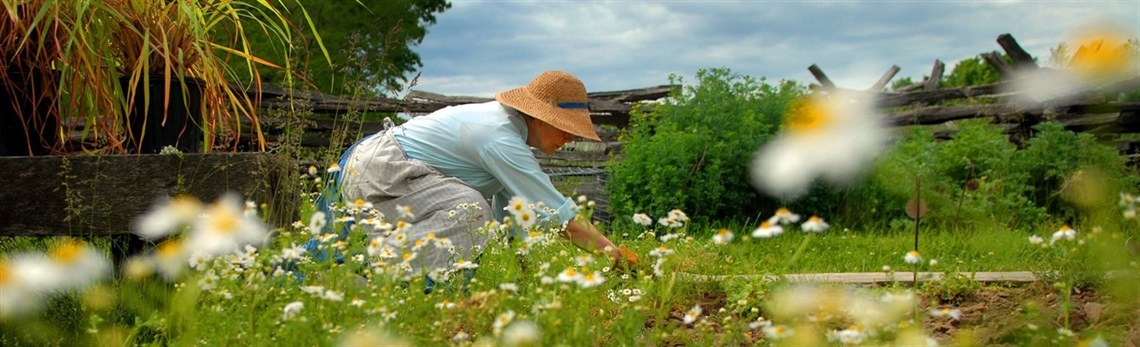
[480, 47]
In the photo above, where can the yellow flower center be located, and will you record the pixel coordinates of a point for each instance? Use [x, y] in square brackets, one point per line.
[525, 217]
[4, 273]
[806, 114]
[169, 249]
[407, 256]
[66, 252]
[225, 222]
[430, 236]
[518, 206]
[1100, 55]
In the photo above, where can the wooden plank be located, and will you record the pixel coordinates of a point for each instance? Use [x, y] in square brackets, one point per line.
[935, 79]
[941, 114]
[633, 95]
[884, 278]
[934, 96]
[1021, 59]
[445, 99]
[821, 77]
[101, 195]
[998, 63]
[882, 83]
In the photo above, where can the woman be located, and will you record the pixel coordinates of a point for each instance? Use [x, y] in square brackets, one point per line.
[463, 156]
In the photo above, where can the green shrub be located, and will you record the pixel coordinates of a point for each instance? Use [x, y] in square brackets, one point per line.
[966, 180]
[978, 176]
[692, 152]
[1053, 157]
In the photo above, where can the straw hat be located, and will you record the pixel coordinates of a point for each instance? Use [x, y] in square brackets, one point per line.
[557, 98]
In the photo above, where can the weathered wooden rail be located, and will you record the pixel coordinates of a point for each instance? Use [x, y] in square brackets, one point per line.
[101, 195]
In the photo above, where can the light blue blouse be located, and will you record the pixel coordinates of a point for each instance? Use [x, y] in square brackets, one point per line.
[484, 145]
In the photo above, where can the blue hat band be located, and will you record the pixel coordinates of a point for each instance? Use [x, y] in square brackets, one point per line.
[573, 105]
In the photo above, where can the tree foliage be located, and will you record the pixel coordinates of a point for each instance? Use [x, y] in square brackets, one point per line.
[972, 72]
[369, 43]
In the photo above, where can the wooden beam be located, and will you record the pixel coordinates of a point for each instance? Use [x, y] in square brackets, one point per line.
[998, 63]
[940, 114]
[892, 277]
[935, 79]
[1021, 59]
[445, 99]
[821, 77]
[103, 194]
[931, 96]
[882, 83]
[634, 95]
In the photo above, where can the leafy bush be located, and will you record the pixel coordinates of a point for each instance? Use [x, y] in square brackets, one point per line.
[978, 176]
[692, 152]
[966, 180]
[1055, 158]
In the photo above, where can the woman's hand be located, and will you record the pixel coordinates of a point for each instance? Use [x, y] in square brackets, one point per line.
[625, 259]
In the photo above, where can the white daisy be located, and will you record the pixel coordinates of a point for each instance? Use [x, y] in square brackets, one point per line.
[591, 280]
[946, 312]
[722, 237]
[692, 314]
[912, 257]
[784, 216]
[814, 225]
[292, 309]
[767, 230]
[642, 219]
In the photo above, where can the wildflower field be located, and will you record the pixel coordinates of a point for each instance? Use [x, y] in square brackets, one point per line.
[721, 249]
[534, 290]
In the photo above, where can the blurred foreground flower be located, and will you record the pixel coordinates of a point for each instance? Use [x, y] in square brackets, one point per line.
[522, 333]
[221, 228]
[1103, 56]
[830, 136]
[26, 279]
